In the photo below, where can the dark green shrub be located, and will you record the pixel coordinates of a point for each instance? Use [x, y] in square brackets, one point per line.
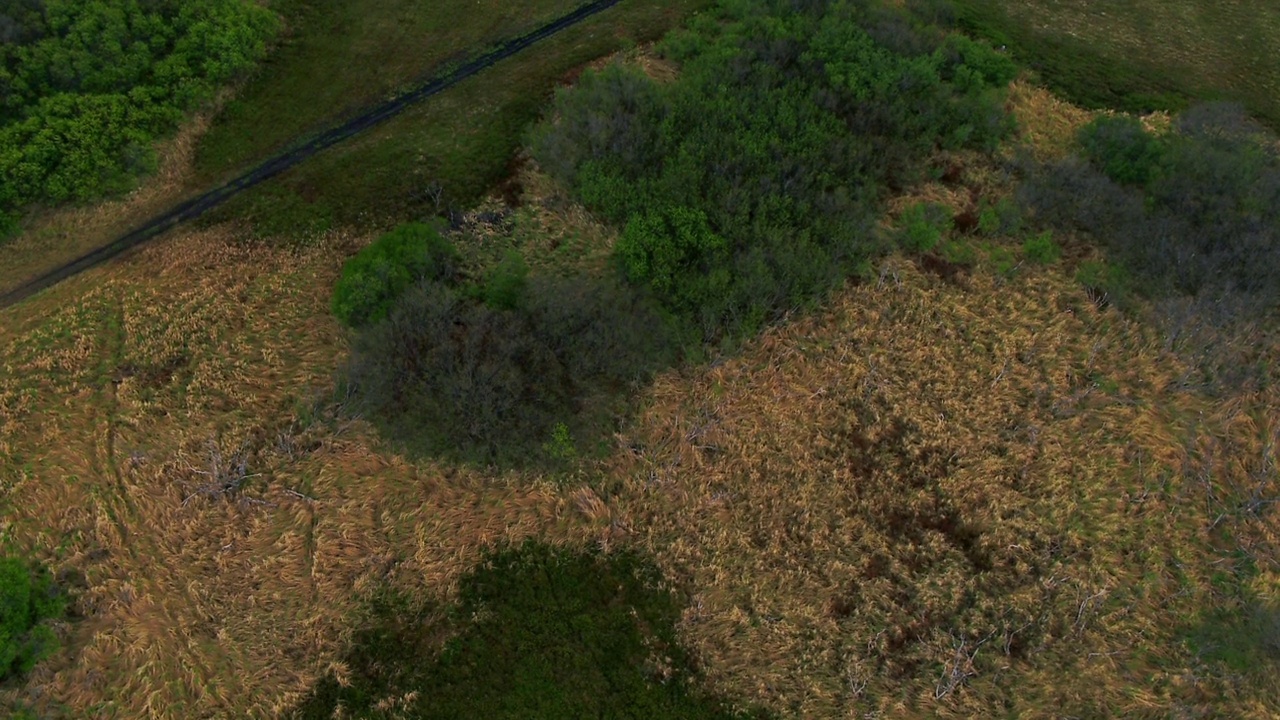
[373, 279]
[1041, 249]
[537, 632]
[28, 597]
[505, 286]
[614, 116]
[1121, 148]
[922, 225]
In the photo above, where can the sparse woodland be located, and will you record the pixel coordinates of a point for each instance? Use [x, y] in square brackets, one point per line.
[819, 365]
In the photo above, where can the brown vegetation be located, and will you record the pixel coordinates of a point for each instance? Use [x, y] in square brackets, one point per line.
[928, 499]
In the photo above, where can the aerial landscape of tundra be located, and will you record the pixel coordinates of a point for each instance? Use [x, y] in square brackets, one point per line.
[647, 359]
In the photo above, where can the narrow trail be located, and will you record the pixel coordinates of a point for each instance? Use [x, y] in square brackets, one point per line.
[197, 206]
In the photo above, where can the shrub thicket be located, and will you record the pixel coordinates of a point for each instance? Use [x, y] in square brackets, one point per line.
[377, 275]
[86, 86]
[451, 374]
[28, 598]
[539, 632]
[749, 185]
[1205, 218]
[1121, 148]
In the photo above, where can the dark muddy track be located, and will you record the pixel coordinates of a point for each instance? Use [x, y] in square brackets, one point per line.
[196, 207]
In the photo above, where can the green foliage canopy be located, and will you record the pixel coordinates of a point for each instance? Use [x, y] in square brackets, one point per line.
[750, 184]
[27, 598]
[86, 86]
[377, 275]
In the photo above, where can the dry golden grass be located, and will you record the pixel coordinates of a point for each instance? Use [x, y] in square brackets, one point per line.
[115, 383]
[1047, 124]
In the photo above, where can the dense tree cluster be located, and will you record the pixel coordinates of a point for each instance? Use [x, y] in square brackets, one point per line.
[749, 185]
[85, 86]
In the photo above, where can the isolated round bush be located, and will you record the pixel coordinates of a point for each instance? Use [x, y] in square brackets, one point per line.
[373, 279]
[1120, 147]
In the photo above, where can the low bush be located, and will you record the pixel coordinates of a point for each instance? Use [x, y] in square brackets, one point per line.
[1121, 148]
[1041, 249]
[922, 227]
[537, 632]
[377, 275]
[28, 598]
[447, 374]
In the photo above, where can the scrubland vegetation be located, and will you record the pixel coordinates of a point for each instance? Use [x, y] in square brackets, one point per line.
[809, 363]
[85, 87]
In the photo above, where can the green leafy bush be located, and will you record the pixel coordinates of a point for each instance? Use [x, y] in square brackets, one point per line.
[88, 85]
[1121, 148]
[447, 374]
[504, 288]
[922, 226]
[373, 279]
[1041, 249]
[28, 598]
[974, 64]
[749, 186]
[959, 252]
[537, 632]
[1108, 283]
[676, 253]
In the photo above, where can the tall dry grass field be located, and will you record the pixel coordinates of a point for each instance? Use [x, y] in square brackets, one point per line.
[131, 398]
[953, 500]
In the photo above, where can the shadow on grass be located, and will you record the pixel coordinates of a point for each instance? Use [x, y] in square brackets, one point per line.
[537, 632]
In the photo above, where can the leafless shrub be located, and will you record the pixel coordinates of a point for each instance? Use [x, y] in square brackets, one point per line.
[224, 476]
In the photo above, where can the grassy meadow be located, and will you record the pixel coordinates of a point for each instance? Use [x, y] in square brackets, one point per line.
[1142, 55]
[962, 486]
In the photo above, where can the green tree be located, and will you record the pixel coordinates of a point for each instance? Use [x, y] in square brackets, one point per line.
[373, 279]
[28, 598]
